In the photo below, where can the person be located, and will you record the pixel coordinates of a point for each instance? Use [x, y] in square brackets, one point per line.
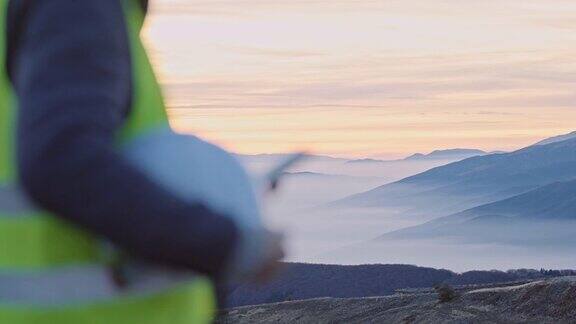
[79, 77]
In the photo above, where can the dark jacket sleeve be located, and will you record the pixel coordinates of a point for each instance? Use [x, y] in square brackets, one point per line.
[70, 66]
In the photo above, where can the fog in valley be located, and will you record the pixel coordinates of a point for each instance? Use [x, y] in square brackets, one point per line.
[489, 211]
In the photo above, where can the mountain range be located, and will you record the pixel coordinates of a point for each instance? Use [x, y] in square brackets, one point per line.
[451, 154]
[447, 155]
[474, 181]
[558, 138]
[544, 216]
[276, 157]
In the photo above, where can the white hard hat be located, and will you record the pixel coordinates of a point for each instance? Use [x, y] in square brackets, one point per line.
[198, 172]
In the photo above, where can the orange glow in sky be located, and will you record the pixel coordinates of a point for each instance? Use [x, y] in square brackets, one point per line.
[367, 78]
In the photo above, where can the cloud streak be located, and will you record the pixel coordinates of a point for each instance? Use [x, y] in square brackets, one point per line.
[366, 77]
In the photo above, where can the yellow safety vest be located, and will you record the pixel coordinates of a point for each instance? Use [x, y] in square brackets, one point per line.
[53, 272]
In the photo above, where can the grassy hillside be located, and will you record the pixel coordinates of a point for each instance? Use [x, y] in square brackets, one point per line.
[305, 281]
[545, 301]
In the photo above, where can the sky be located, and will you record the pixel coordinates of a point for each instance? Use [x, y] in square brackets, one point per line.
[365, 78]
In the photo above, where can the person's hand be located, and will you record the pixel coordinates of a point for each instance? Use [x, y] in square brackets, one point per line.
[273, 254]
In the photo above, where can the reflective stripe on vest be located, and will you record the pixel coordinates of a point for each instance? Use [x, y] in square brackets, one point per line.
[53, 272]
[84, 284]
[13, 202]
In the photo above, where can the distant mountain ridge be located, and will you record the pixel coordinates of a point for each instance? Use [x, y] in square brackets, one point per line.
[368, 160]
[447, 154]
[284, 155]
[324, 175]
[558, 138]
[546, 215]
[474, 181]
